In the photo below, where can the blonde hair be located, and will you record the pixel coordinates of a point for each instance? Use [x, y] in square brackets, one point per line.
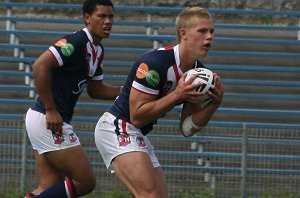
[184, 19]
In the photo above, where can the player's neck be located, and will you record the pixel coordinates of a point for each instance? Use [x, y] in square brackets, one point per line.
[187, 61]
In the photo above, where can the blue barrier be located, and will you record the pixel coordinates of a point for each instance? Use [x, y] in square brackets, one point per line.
[263, 96]
[176, 122]
[187, 153]
[223, 139]
[24, 46]
[227, 95]
[242, 82]
[188, 167]
[176, 109]
[150, 23]
[155, 37]
[213, 53]
[212, 170]
[17, 59]
[16, 87]
[15, 73]
[196, 138]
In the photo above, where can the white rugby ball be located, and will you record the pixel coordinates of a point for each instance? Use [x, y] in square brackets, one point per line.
[206, 77]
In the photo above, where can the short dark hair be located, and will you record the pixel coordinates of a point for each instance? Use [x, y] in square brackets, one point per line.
[90, 5]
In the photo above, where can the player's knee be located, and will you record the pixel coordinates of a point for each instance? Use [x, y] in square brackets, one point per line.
[149, 190]
[149, 194]
[93, 183]
[85, 185]
[90, 184]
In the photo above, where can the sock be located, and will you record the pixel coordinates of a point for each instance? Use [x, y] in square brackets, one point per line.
[65, 189]
[30, 195]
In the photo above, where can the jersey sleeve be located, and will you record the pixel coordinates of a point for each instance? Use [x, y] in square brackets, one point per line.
[64, 49]
[148, 77]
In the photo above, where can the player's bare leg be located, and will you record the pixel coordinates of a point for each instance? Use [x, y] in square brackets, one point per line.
[47, 174]
[136, 172]
[82, 174]
[161, 182]
[54, 166]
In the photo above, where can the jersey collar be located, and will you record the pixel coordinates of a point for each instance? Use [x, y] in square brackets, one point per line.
[88, 34]
[176, 55]
[177, 58]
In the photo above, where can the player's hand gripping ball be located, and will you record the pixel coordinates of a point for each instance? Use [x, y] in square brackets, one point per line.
[206, 77]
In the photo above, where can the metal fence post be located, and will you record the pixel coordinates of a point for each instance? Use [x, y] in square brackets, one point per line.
[298, 30]
[24, 155]
[244, 161]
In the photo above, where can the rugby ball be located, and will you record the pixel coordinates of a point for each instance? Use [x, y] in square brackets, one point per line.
[206, 77]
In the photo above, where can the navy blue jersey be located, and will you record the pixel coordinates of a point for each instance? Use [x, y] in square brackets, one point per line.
[80, 61]
[156, 73]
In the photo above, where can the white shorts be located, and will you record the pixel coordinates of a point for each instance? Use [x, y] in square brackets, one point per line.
[114, 137]
[42, 138]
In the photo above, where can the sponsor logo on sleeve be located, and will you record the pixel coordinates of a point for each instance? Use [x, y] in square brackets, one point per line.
[151, 76]
[61, 42]
[66, 48]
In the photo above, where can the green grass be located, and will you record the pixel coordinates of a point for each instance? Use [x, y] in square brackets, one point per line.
[203, 193]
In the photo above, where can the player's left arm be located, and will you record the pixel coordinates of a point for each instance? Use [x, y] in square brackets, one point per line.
[99, 90]
[199, 116]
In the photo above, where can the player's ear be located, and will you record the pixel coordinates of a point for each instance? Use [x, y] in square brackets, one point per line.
[86, 18]
[183, 34]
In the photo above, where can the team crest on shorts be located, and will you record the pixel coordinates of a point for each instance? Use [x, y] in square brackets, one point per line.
[140, 141]
[124, 140]
[58, 139]
[73, 138]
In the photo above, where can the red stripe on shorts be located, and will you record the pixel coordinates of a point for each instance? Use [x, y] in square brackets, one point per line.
[124, 127]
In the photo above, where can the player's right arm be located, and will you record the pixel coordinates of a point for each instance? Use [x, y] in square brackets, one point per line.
[146, 108]
[42, 68]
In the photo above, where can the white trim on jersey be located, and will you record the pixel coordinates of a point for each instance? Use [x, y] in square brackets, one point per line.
[98, 77]
[145, 89]
[88, 34]
[176, 54]
[56, 55]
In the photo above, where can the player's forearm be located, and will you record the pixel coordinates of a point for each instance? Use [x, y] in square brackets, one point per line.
[105, 92]
[109, 92]
[202, 117]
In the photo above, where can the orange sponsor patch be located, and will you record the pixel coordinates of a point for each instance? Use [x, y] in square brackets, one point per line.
[142, 71]
[61, 42]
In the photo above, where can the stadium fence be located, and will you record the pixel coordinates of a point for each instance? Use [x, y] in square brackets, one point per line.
[228, 159]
